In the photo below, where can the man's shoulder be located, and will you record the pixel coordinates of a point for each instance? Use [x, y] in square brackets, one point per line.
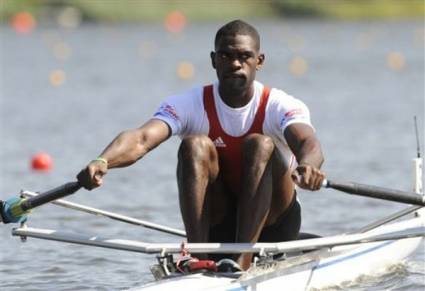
[188, 102]
[180, 108]
[280, 97]
[284, 109]
[276, 94]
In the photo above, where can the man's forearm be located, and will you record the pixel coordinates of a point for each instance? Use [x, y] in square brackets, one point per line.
[310, 153]
[125, 149]
[131, 145]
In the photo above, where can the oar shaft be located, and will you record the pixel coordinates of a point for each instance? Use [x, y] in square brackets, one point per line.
[387, 219]
[56, 193]
[377, 192]
[115, 216]
[411, 230]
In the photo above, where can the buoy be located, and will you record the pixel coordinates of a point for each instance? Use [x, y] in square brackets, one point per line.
[396, 61]
[57, 78]
[41, 162]
[298, 66]
[175, 21]
[185, 70]
[23, 22]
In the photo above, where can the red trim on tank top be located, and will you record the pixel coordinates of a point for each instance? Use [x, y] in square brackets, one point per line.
[229, 147]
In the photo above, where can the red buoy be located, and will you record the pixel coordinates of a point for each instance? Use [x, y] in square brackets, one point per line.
[23, 22]
[41, 162]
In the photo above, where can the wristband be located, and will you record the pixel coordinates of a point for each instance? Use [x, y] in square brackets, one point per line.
[100, 159]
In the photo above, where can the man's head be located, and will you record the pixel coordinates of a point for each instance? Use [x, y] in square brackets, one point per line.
[237, 27]
[237, 55]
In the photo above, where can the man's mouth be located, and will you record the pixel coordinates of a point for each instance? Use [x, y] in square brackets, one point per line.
[235, 76]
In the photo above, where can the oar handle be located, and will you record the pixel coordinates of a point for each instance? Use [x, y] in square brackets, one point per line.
[376, 192]
[56, 193]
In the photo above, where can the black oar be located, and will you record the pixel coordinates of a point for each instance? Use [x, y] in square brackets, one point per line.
[377, 192]
[15, 208]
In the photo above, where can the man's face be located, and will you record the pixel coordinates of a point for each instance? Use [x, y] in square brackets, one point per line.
[236, 60]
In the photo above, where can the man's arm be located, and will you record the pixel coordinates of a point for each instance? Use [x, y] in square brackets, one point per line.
[307, 150]
[128, 147]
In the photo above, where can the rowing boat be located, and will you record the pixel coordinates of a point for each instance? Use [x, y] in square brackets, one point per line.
[315, 270]
[305, 264]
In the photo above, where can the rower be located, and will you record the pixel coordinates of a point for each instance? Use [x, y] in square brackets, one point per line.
[243, 146]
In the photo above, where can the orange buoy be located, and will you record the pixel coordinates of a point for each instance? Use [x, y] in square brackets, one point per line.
[23, 22]
[175, 21]
[42, 162]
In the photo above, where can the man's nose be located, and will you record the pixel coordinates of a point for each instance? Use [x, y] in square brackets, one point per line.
[235, 63]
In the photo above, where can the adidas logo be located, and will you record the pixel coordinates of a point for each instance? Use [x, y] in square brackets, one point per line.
[219, 143]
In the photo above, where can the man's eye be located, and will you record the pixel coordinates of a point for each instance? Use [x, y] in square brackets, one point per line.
[223, 56]
[245, 56]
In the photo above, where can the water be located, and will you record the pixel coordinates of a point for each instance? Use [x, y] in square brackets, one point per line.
[115, 78]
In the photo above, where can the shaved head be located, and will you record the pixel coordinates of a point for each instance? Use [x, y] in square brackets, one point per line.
[238, 27]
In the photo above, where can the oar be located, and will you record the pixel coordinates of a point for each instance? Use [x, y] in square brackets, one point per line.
[413, 230]
[388, 218]
[15, 208]
[376, 192]
[115, 216]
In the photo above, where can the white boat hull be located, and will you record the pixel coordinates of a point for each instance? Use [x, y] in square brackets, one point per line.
[332, 267]
[372, 259]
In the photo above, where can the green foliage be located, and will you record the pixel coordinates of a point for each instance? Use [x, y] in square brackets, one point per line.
[156, 10]
[352, 9]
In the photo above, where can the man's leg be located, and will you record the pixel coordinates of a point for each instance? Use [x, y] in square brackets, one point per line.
[283, 188]
[197, 169]
[256, 190]
[267, 190]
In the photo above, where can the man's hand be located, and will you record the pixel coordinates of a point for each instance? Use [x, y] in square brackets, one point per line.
[308, 177]
[92, 176]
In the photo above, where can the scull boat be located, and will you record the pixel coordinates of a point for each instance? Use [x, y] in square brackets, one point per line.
[305, 264]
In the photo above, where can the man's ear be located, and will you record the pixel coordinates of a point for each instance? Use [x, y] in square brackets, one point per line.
[260, 61]
[212, 55]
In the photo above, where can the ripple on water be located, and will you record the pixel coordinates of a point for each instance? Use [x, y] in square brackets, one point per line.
[54, 270]
[385, 280]
[98, 261]
[416, 278]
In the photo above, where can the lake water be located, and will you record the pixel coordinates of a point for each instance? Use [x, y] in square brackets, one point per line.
[363, 83]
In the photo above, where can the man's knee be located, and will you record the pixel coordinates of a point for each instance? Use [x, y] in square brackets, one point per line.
[196, 147]
[258, 144]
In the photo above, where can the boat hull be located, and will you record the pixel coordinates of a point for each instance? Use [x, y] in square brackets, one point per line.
[317, 270]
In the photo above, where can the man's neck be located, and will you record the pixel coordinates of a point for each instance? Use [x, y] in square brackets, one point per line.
[236, 98]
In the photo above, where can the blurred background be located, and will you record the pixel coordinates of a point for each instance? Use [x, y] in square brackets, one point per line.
[73, 74]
